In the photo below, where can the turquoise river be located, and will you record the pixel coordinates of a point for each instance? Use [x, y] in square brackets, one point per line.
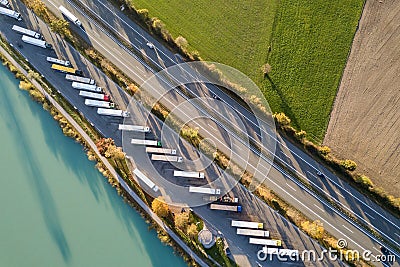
[55, 207]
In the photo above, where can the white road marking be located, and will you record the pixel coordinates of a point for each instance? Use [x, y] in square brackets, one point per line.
[397, 234]
[369, 215]
[339, 194]
[319, 208]
[211, 126]
[347, 228]
[291, 187]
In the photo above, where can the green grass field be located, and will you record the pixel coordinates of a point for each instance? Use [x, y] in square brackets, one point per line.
[230, 32]
[309, 40]
[310, 43]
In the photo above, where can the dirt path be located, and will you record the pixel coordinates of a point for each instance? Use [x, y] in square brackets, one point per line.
[365, 120]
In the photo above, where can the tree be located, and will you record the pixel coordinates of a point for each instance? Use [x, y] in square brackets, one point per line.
[61, 27]
[39, 8]
[192, 231]
[364, 180]
[348, 164]
[324, 150]
[181, 42]
[282, 119]
[314, 229]
[160, 207]
[143, 14]
[266, 69]
[181, 220]
[300, 135]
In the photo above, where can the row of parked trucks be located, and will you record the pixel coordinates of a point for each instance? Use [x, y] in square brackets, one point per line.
[259, 236]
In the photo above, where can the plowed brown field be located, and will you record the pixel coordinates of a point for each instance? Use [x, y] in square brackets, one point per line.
[365, 120]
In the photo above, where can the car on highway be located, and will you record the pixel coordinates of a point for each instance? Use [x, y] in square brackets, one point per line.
[150, 45]
[320, 174]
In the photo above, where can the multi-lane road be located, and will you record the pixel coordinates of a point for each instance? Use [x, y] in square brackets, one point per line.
[312, 205]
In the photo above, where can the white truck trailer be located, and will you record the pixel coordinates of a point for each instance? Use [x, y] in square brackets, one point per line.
[189, 174]
[247, 224]
[94, 95]
[58, 61]
[34, 41]
[146, 142]
[252, 232]
[166, 158]
[161, 150]
[145, 179]
[87, 87]
[98, 103]
[10, 13]
[134, 128]
[237, 208]
[204, 190]
[265, 242]
[74, 78]
[70, 16]
[5, 3]
[113, 112]
[26, 32]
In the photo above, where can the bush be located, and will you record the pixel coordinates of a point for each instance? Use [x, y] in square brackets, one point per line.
[364, 181]
[300, 135]
[181, 42]
[282, 119]
[348, 164]
[324, 150]
[181, 220]
[192, 231]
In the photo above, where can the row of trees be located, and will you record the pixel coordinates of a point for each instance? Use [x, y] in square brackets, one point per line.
[182, 220]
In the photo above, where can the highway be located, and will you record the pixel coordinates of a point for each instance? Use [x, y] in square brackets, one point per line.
[331, 186]
[337, 190]
[285, 186]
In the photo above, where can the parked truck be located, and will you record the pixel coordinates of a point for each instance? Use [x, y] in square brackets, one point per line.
[134, 128]
[113, 112]
[66, 69]
[80, 79]
[70, 16]
[5, 3]
[36, 42]
[204, 190]
[145, 179]
[94, 95]
[26, 32]
[161, 150]
[58, 61]
[237, 208]
[247, 224]
[98, 103]
[252, 232]
[189, 174]
[10, 13]
[166, 158]
[265, 242]
[87, 87]
[146, 142]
